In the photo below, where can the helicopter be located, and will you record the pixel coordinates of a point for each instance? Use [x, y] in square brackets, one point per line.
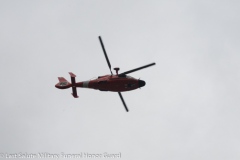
[114, 83]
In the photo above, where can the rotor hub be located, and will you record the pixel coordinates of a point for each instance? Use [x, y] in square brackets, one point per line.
[116, 69]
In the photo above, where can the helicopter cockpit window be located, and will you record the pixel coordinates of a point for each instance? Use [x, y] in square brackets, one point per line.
[129, 85]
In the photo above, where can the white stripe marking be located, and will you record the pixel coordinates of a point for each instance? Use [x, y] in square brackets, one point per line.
[85, 84]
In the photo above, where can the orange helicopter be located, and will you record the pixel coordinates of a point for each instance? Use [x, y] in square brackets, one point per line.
[115, 83]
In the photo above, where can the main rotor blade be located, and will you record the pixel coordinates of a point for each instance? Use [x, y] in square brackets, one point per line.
[123, 101]
[105, 53]
[139, 68]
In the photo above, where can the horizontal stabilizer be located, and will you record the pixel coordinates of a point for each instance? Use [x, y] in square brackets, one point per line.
[71, 74]
[74, 90]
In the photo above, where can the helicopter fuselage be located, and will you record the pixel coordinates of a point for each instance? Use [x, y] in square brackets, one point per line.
[115, 83]
[112, 83]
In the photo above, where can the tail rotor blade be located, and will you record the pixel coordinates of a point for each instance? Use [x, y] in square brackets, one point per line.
[124, 104]
[105, 53]
[136, 69]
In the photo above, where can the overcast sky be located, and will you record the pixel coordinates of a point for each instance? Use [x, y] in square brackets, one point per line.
[189, 108]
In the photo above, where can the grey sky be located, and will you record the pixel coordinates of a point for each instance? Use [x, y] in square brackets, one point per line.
[189, 108]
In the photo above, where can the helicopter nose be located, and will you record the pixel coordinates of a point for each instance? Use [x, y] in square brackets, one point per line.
[141, 83]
